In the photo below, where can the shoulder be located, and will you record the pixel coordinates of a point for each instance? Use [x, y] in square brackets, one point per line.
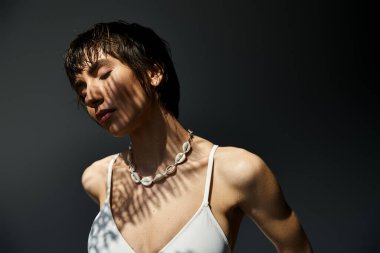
[94, 179]
[242, 171]
[240, 166]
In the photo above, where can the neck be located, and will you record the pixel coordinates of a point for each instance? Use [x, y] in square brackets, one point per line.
[156, 141]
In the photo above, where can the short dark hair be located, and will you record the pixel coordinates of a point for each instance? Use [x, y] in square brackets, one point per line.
[138, 47]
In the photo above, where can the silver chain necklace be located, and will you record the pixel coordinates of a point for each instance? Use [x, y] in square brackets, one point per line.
[149, 180]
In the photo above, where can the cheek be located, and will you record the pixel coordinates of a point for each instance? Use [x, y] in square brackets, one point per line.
[126, 91]
[116, 89]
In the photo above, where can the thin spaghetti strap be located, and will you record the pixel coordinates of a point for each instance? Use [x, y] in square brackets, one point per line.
[109, 177]
[209, 175]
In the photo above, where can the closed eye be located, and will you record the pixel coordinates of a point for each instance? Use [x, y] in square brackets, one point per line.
[105, 75]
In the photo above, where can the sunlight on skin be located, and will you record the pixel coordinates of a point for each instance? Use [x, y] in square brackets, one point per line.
[157, 137]
[136, 206]
[152, 197]
[133, 205]
[134, 109]
[121, 91]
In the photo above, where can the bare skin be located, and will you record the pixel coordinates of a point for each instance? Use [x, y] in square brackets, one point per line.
[242, 183]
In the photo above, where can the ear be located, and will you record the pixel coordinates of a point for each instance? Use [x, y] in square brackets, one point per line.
[155, 75]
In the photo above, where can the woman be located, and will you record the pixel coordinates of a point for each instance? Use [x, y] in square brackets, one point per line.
[171, 190]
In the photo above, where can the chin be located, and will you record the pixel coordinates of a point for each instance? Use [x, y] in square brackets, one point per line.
[117, 132]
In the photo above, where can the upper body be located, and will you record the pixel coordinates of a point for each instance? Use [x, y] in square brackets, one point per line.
[130, 89]
[242, 184]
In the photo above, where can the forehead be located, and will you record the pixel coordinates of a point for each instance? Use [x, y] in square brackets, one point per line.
[90, 67]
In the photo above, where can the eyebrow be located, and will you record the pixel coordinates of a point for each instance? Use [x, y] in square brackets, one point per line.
[97, 65]
[92, 70]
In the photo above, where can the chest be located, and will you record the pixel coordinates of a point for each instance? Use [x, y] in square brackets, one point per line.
[151, 219]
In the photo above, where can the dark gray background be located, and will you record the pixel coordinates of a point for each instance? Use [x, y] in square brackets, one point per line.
[293, 81]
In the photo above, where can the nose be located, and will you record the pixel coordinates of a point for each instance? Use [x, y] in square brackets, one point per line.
[94, 96]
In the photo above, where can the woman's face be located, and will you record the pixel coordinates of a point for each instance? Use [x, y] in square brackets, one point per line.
[112, 94]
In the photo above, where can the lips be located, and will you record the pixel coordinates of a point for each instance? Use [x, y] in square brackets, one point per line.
[102, 116]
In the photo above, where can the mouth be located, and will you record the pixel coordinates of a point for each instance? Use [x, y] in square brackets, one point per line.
[103, 116]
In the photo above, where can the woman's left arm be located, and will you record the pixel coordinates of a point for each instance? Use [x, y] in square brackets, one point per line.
[261, 199]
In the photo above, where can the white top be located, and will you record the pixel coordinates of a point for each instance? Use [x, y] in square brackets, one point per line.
[201, 234]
